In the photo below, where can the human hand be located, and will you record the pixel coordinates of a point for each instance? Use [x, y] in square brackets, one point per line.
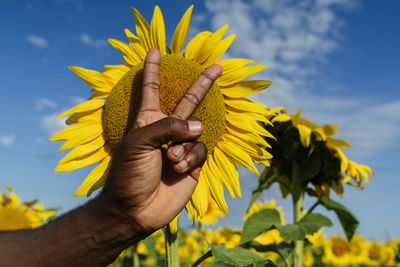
[157, 164]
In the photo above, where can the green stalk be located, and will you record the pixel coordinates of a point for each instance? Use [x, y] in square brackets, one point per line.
[298, 196]
[135, 257]
[171, 247]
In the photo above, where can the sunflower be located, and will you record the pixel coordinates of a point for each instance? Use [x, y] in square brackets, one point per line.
[232, 132]
[16, 216]
[302, 139]
[337, 252]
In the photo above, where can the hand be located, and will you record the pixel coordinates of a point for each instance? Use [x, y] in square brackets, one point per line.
[156, 166]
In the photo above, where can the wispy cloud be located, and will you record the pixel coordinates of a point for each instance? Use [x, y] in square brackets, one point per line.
[37, 41]
[52, 125]
[89, 41]
[43, 103]
[7, 140]
[293, 38]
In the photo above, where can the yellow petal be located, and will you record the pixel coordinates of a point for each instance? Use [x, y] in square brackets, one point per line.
[244, 88]
[93, 177]
[247, 105]
[130, 58]
[93, 78]
[253, 150]
[85, 149]
[142, 30]
[239, 75]
[229, 170]
[330, 129]
[75, 129]
[281, 118]
[219, 174]
[237, 155]
[79, 139]
[305, 135]
[85, 116]
[210, 44]
[173, 225]
[84, 161]
[247, 135]
[157, 31]
[139, 50]
[216, 188]
[248, 125]
[338, 142]
[219, 50]
[201, 194]
[85, 106]
[233, 64]
[178, 41]
[131, 37]
[193, 47]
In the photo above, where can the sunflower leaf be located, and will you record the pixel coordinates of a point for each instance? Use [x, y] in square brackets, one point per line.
[258, 223]
[239, 257]
[347, 219]
[309, 224]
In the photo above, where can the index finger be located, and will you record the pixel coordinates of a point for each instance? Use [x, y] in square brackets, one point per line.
[196, 93]
[151, 82]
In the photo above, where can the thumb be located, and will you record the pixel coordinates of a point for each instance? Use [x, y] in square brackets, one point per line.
[168, 129]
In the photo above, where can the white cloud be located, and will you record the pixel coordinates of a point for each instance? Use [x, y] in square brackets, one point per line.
[7, 140]
[89, 41]
[37, 41]
[43, 103]
[293, 38]
[77, 100]
[52, 125]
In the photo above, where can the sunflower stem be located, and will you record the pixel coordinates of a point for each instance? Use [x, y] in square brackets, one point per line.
[298, 196]
[171, 247]
[135, 257]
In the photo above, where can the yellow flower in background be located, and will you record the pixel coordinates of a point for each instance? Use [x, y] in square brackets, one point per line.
[358, 250]
[232, 133]
[269, 237]
[308, 258]
[388, 255]
[15, 215]
[317, 239]
[337, 252]
[373, 254]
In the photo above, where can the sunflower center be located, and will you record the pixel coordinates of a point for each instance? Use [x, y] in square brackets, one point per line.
[339, 248]
[177, 74]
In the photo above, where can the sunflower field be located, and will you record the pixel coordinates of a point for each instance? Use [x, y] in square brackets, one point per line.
[302, 158]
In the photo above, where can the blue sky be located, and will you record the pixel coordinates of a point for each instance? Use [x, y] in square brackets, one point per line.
[337, 60]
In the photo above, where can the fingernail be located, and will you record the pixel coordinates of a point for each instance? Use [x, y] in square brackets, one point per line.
[195, 126]
[183, 165]
[177, 150]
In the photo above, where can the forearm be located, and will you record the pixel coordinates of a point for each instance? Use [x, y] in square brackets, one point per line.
[92, 235]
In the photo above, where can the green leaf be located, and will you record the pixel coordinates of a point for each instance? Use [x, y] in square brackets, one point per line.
[283, 248]
[258, 223]
[266, 179]
[239, 257]
[347, 219]
[308, 225]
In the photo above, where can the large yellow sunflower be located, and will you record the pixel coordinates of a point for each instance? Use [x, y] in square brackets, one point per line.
[15, 215]
[232, 133]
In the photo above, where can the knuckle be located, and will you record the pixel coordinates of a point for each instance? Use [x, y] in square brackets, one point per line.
[152, 85]
[192, 98]
[207, 76]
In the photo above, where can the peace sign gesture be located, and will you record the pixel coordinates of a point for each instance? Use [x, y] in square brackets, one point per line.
[156, 166]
